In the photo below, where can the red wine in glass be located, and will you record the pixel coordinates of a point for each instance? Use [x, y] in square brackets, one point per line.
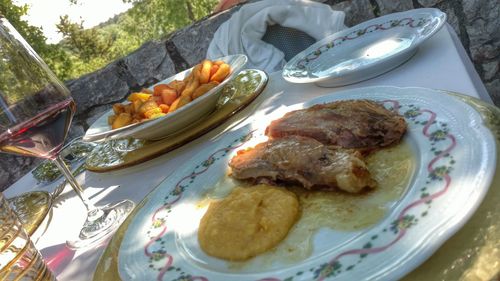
[42, 136]
[36, 111]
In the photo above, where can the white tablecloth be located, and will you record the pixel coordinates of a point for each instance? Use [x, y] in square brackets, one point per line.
[440, 63]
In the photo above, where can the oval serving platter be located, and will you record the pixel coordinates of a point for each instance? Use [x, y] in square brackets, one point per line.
[171, 123]
[365, 50]
[454, 151]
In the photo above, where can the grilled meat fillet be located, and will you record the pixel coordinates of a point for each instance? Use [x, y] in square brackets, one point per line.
[359, 124]
[303, 160]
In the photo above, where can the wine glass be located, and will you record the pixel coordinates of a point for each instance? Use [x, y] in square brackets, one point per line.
[36, 110]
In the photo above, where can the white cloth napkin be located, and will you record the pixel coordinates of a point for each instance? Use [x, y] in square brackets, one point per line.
[242, 33]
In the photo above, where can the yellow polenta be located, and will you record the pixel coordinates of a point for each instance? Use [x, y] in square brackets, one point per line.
[247, 222]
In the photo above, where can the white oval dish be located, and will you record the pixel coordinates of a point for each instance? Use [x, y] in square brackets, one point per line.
[455, 164]
[365, 50]
[171, 123]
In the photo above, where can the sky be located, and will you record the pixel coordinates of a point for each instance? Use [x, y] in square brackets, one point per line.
[46, 13]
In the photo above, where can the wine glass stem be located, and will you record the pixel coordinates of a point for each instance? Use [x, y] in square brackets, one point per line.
[76, 186]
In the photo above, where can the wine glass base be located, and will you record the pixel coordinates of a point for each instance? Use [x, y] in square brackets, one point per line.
[97, 228]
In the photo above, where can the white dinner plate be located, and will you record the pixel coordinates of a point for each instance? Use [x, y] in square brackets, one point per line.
[365, 50]
[455, 163]
[171, 123]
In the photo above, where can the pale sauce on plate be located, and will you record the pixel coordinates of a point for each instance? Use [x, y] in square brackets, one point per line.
[392, 168]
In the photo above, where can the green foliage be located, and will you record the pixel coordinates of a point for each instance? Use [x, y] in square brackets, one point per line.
[85, 50]
[53, 55]
[86, 44]
[147, 20]
[13, 13]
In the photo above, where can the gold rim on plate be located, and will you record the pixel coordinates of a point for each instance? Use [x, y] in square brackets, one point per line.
[32, 208]
[478, 239]
[237, 94]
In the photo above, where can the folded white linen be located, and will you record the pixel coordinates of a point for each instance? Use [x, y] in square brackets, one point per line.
[243, 32]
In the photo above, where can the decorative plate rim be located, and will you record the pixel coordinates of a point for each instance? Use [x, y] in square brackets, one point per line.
[401, 225]
[358, 30]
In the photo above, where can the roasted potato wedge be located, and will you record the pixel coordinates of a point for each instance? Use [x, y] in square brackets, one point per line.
[203, 89]
[168, 96]
[137, 104]
[206, 66]
[164, 108]
[190, 88]
[138, 96]
[111, 119]
[214, 69]
[159, 88]
[177, 85]
[122, 120]
[152, 112]
[118, 108]
[129, 108]
[179, 102]
[150, 104]
[221, 73]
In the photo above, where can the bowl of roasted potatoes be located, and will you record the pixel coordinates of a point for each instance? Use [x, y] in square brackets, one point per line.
[169, 106]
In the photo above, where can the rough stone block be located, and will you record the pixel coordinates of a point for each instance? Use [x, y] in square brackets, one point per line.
[451, 16]
[481, 47]
[94, 114]
[491, 70]
[355, 11]
[192, 42]
[429, 3]
[75, 131]
[329, 2]
[13, 167]
[493, 88]
[452, 19]
[150, 63]
[483, 21]
[101, 87]
[392, 6]
[4, 176]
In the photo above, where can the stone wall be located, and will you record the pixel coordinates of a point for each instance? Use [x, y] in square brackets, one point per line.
[477, 23]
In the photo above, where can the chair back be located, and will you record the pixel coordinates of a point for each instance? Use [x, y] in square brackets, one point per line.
[290, 41]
